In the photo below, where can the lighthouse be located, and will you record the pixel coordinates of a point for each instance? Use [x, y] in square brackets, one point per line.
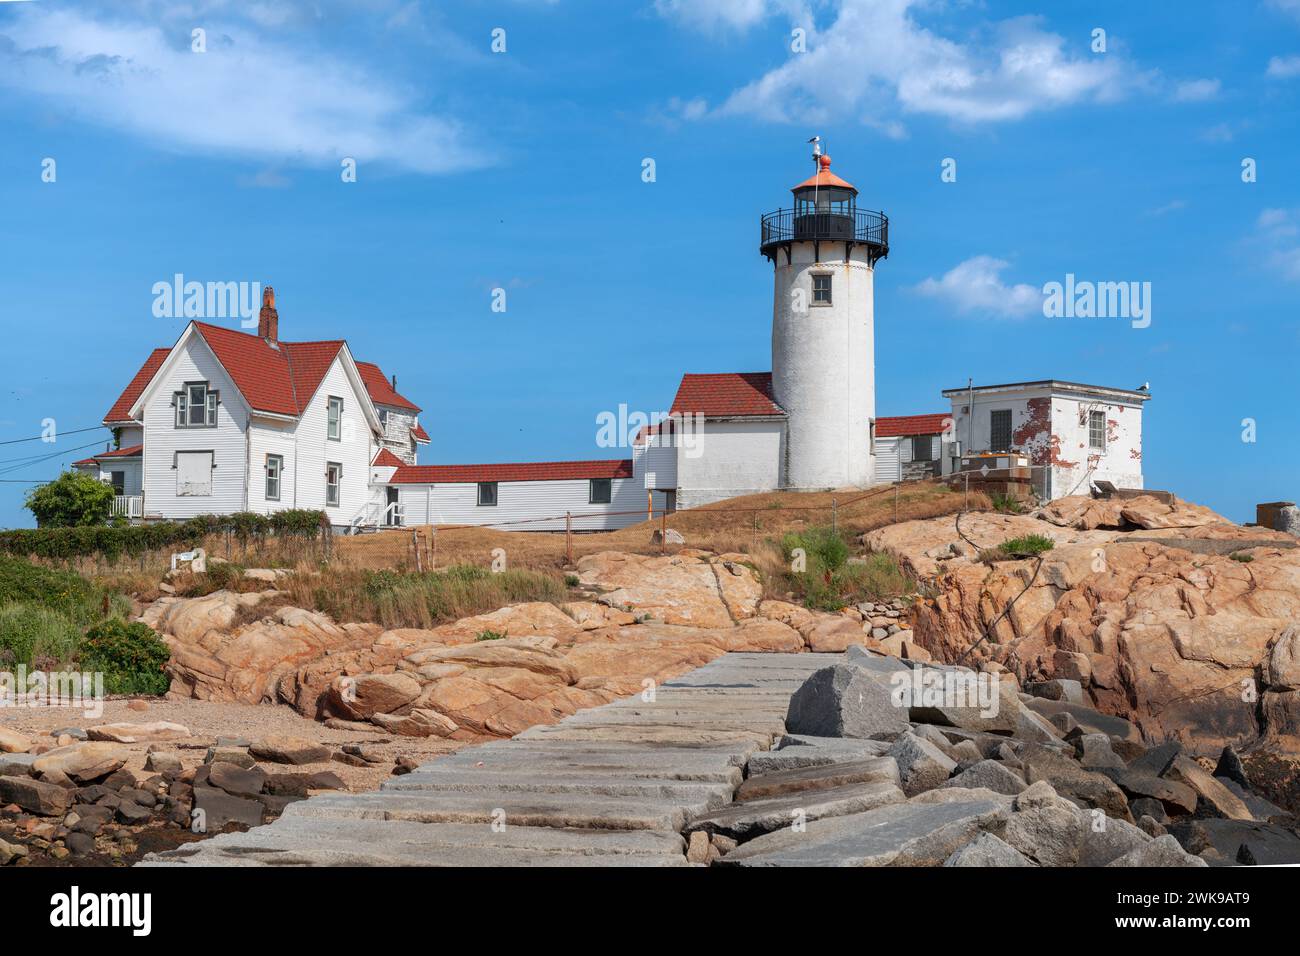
[824, 252]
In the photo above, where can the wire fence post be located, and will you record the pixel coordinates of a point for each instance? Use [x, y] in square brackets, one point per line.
[896, 489]
[568, 538]
[663, 531]
[834, 517]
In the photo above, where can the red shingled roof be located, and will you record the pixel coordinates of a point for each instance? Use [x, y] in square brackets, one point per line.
[386, 459]
[419, 434]
[130, 451]
[121, 410]
[279, 379]
[381, 389]
[525, 471]
[911, 425]
[726, 395]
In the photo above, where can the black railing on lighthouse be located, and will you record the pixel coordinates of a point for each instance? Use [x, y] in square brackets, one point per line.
[856, 225]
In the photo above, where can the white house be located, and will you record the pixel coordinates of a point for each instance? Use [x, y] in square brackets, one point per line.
[1073, 434]
[227, 421]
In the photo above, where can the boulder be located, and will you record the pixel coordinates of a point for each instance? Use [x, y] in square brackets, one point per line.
[1161, 851]
[1214, 799]
[237, 781]
[220, 809]
[789, 782]
[1069, 779]
[291, 750]
[676, 589]
[987, 850]
[12, 742]
[82, 762]
[419, 722]
[35, 796]
[359, 698]
[844, 701]
[921, 765]
[988, 775]
[127, 733]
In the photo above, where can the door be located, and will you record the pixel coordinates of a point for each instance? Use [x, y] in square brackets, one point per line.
[392, 513]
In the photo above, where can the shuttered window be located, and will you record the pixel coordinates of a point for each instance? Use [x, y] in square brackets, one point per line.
[1000, 429]
[334, 419]
[274, 467]
[333, 477]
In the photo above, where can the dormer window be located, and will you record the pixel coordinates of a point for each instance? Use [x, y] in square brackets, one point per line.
[334, 419]
[196, 406]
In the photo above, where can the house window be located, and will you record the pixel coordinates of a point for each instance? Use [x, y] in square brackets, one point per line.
[821, 289]
[334, 419]
[274, 468]
[1097, 430]
[600, 491]
[487, 494]
[196, 406]
[383, 419]
[193, 474]
[922, 448]
[118, 480]
[1000, 429]
[333, 477]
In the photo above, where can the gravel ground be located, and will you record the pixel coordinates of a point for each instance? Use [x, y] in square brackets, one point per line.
[208, 720]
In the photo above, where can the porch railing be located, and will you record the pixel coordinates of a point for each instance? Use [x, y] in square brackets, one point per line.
[127, 506]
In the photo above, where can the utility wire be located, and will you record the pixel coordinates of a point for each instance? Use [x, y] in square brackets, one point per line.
[75, 431]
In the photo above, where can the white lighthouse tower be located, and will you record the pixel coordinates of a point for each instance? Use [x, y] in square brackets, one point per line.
[824, 253]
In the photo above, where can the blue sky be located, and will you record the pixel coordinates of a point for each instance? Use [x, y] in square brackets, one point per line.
[522, 170]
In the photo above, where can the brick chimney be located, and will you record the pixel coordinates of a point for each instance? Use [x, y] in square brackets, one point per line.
[268, 320]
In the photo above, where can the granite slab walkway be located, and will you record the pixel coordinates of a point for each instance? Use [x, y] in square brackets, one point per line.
[610, 786]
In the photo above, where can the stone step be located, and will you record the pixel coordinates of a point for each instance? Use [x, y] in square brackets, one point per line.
[516, 809]
[743, 821]
[516, 785]
[321, 842]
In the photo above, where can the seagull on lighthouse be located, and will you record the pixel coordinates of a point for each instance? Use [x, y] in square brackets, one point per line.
[1144, 387]
[817, 146]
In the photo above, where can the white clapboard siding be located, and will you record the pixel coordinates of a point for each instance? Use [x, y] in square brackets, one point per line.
[162, 439]
[730, 458]
[887, 459]
[520, 503]
[354, 450]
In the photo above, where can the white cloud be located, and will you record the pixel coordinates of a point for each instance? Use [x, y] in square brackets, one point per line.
[1284, 67]
[976, 286]
[1196, 91]
[1276, 231]
[874, 60]
[1174, 205]
[714, 14]
[248, 96]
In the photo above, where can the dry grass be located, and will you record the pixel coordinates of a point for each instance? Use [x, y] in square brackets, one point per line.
[748, 525]
[405, 599]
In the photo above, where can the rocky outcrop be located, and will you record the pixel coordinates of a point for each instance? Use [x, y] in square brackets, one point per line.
[1176, 632]
[649, 619]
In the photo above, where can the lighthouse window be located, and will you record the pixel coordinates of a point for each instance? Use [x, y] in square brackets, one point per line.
[821, 289]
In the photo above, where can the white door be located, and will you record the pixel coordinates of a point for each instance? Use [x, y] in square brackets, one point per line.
[193, 473]
[887, 459]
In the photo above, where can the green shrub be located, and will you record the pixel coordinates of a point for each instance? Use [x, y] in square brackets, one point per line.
[1242, 556]
[61, 591]
[1027, 546]
[37, 637]
[130, 655]
[113, 541]
[490, 635]
[1006, 504]
[830, 580]
[74, 499]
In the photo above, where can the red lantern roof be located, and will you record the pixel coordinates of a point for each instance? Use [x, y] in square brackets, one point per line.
[824, 178]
